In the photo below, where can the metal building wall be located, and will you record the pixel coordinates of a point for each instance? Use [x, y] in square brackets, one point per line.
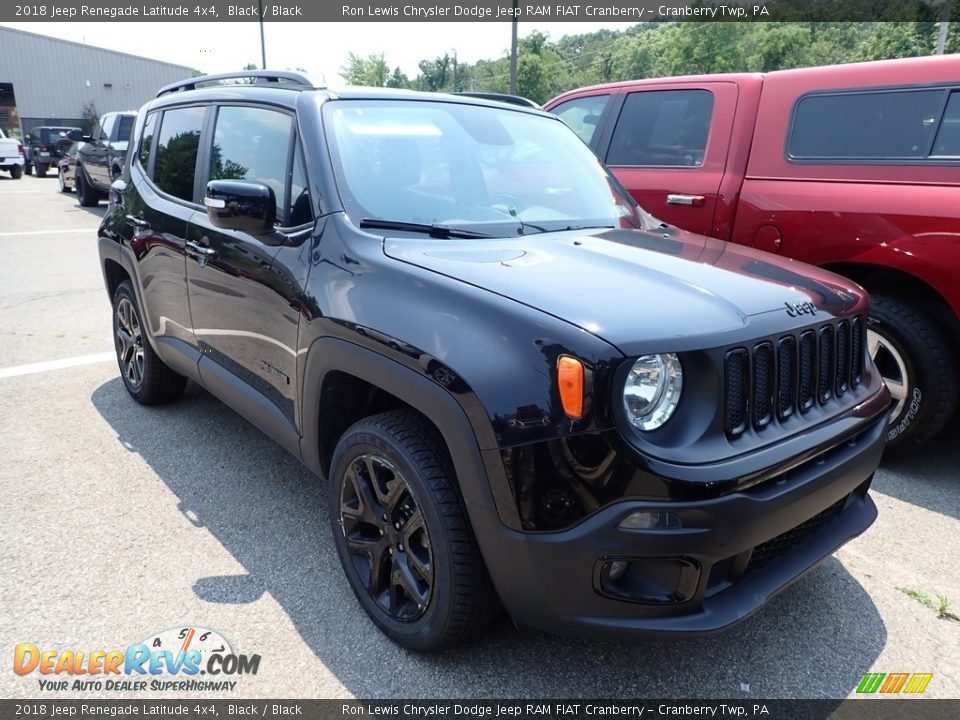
[54, 79]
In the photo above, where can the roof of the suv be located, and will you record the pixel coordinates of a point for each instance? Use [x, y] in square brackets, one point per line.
[284, 87]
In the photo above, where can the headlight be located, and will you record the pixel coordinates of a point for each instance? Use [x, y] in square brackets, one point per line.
[652, 390]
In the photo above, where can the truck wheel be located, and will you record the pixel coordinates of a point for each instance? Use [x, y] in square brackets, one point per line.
[88, 196]
[919, 365]
[403, 536]
[62, 181]
[28, 168]
[41, 170]
[16, 172]
[144, 374]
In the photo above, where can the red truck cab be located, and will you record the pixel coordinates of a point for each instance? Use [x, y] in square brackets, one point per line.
[855, 168]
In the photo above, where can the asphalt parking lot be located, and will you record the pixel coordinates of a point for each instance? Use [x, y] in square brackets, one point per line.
[119, 521]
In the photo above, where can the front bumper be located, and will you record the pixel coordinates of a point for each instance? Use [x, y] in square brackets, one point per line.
[744, 548]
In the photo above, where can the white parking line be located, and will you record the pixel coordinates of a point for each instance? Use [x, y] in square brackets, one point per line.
[39, 367]
[49, 232]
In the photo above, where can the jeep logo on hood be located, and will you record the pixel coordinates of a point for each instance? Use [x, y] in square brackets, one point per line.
[801, 308]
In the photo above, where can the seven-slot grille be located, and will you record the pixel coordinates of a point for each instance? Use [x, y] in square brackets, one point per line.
[773, 379]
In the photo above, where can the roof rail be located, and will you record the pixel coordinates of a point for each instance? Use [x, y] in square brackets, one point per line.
[502, 97]
[260, 77]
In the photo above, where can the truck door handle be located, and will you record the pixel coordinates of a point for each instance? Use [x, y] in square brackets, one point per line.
[200, 249]
[694, 200]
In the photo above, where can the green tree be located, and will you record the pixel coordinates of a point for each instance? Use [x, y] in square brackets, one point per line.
[371, 71]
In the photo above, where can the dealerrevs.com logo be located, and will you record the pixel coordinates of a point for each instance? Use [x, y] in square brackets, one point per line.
[187, 659]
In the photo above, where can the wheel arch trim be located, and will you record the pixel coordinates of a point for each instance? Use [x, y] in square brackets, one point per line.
[478, 480]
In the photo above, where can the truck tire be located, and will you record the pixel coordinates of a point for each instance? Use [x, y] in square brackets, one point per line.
[88, 196]
[148, 380]
[919, 365]
[402, 533]
[28, 168]
[41, 170]
[64, 188]
[16, 172]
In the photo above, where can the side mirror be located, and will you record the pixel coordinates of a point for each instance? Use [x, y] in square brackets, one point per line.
[238, 205]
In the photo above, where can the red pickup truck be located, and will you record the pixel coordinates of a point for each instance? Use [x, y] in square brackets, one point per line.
[855, 168]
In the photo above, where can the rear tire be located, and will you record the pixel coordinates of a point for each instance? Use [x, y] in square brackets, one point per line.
[88, 196]
[403, 536]
[16, 172]
[28, 169]
[919, 365]
[41, 170]
[148, 380]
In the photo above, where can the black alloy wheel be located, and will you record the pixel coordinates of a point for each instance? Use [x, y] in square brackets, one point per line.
[386, 537]
[402, 533]
[148, 380]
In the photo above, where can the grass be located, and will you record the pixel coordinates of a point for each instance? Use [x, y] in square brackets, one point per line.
[941, 606]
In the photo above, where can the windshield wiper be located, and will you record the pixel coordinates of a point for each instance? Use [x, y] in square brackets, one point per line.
[434, 231]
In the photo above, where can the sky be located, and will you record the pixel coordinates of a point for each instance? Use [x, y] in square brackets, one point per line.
[319, 48]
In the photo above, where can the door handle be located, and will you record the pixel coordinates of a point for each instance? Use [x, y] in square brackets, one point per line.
[694, 200]
[137, 222]
[201, 249]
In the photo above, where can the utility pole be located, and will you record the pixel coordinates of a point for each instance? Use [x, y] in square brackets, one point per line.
[513, 52]
[944, 27]
[263, 45]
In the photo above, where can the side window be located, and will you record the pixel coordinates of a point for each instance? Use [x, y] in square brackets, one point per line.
[300, 211]
[125, 127]
[146, 141]
[948, 137]
[176, 155]
[109, 122]
[253, 144]
[582, 115]
[888, 125]
[662, 128]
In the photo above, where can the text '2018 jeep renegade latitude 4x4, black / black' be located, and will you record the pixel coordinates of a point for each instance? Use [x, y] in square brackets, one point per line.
[522, 388]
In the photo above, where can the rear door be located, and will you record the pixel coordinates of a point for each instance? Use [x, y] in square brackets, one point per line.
[668, 146]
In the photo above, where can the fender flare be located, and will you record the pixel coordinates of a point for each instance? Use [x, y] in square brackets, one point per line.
[476, 478]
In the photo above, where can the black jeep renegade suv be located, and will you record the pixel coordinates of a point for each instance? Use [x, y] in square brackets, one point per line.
[523, 389]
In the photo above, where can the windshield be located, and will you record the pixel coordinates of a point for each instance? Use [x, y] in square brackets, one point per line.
[494, 172]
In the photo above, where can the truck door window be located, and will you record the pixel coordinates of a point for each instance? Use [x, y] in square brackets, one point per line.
[125, 128]
[874, 125]
[106, 132]
[176, 155]
[662, 128]
[582, 115]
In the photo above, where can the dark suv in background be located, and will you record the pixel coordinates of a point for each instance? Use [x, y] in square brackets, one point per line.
[101, 158]
[521, 388]
[46, 145]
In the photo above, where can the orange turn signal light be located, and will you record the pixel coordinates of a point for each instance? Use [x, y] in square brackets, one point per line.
[570, 382]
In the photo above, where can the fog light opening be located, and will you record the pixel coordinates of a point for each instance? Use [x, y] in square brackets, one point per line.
[647, 520]
[649, 580]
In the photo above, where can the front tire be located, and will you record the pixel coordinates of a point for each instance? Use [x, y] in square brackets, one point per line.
[63, 183]
[918, 363]
[148, 380]
[403, 536]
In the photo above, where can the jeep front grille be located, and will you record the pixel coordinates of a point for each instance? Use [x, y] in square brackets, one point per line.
[774, 378]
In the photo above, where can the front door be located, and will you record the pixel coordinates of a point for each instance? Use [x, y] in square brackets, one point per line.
[245, 290]
[669, 149]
